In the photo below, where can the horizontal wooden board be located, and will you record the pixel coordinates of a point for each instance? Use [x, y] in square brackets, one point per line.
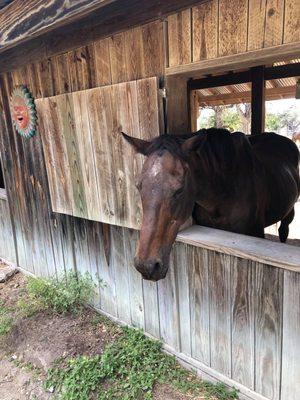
[260, 250]
[90, 167]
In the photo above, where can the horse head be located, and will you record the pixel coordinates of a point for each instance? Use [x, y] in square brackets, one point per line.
[167, 192]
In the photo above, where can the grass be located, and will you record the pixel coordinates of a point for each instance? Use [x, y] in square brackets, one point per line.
[6, 320]
[128, 370]
[70, 293]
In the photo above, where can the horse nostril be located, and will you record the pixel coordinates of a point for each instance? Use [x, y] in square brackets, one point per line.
[156, 267]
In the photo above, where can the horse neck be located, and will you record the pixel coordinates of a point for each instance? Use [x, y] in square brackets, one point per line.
[213, 183]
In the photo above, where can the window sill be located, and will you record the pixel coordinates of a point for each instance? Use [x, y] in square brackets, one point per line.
[259, 250]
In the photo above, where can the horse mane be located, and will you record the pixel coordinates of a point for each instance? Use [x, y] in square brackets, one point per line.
[170, 143]
[219, 149]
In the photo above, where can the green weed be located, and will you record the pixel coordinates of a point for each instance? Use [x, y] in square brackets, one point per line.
[68, 293]
[6, 320]
[128, 370]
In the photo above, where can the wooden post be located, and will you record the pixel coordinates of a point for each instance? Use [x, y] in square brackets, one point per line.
[257, 100]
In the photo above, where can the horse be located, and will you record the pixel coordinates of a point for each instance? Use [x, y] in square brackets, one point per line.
[229, 181]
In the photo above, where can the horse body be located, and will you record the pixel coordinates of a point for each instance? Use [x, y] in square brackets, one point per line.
[225, 180]
[258, 187]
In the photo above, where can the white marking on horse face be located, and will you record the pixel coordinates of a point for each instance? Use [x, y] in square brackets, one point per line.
[155, 169]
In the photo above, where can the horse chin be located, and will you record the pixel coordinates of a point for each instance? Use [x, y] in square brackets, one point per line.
[155, 278]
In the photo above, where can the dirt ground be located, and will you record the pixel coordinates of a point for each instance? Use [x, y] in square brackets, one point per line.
[36, 342]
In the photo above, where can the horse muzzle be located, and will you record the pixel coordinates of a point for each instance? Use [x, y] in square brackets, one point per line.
[152, 269]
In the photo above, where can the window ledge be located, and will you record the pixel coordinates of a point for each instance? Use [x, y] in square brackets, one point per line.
[3, 194]
[259, 250]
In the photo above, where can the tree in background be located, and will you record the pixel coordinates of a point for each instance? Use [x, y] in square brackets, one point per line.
[237, 117]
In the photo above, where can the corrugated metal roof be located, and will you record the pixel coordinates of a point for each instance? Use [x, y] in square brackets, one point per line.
[276, 89]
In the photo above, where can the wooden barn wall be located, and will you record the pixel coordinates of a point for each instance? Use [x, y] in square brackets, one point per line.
[218, 28]
[48, 242]
[234, 319]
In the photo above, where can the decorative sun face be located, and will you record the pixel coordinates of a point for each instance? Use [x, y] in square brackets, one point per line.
[23, 111]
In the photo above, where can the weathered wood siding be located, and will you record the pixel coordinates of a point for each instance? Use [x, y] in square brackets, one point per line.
[45, 240]
[7, 246]
[91, 168]
[219, 28]
[234, 319]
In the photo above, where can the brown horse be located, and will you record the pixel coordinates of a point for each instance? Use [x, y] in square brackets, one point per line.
[225, 180]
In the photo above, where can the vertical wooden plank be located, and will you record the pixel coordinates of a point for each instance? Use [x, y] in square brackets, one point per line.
[82, 68]
[291, 333]
[257, 23]
[67, 127]
[232, 26]
[117, 58]
[168, 308]
[205, 31]
[258, 100]
[86, 155]
[182, 265]
[177, 105]
[118, 262]
[291, 21]
[153, 49]
[151, 308]
[199, 303]
[274, 23]
[134, 279]
[242, 283]
[268, 330]
[102, 62]
[134, 53]
[265, 23]
[45, 77]
[11, 169]
[56, 158]
[96, 255]
[220, 308]
[62, 77]
[101, 125]
[7, 246]
[179, 38]
[106, 273]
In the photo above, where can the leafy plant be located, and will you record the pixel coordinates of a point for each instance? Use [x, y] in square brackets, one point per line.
[127, 370]
[6, 319]
[68, 293]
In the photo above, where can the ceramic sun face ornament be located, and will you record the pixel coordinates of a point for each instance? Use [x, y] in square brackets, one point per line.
[23, 111]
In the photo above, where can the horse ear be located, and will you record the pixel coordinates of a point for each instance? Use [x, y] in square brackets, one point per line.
[140, 145]
[193, 143]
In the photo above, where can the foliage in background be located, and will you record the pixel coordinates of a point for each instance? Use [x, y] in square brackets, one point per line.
[68, 293]
[6, 319]
[233, 118]
[127, 370]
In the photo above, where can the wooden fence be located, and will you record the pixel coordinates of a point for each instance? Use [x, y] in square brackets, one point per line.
[229, 306]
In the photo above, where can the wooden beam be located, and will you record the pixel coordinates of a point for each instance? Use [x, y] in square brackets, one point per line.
[282, 71]
[220, 80]
[237, 61]
[24, 20]
[258, 100]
